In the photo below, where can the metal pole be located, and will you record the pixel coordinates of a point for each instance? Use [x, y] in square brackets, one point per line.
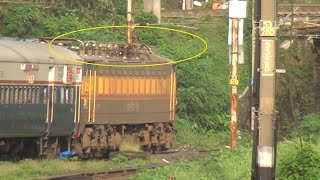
[234, 83]
[130, 21]
[256, 16]
[266, 125]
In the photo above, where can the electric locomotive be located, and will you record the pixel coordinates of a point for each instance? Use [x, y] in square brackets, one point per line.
[132, 105]
[49, 105]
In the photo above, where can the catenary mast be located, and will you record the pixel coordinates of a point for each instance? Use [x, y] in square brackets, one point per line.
[264, 146]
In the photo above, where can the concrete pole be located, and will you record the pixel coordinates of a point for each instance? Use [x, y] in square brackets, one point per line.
[147, 5]
[153, 6]
[184, 5]
[157, 9]
[266, 126]
[189, 4]
[234, 83]
[130, 21]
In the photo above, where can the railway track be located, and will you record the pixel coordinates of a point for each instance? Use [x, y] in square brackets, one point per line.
[310, 10]
[121, 174]
[299, 9]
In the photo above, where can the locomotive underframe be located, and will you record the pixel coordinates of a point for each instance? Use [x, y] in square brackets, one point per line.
[99, 139]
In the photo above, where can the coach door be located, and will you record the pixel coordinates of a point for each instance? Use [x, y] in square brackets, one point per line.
[90, 92]
[50, 95]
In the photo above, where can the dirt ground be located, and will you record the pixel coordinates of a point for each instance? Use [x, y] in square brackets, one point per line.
[182, 152]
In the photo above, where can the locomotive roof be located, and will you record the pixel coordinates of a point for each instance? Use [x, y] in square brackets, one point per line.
[34, 52]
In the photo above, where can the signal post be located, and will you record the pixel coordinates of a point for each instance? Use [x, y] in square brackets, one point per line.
[237, 11]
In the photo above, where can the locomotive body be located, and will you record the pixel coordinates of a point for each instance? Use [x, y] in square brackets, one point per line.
[49, 105]
[126, 104]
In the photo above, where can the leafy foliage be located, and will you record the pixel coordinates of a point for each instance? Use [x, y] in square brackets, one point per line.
[20, 20]
[290, 162]
[65, 23]
[310, 128]
[296, 82]
[203, 90]
[220, 164]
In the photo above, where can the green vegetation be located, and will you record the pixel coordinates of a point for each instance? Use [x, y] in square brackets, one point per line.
[293, 164]
[236, 165]
[30, 169]
[203, 90]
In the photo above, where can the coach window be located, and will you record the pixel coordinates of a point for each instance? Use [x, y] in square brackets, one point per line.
[34, 95]
[62, 95]
[37, 95]
[20, 94]
[1, 95]
[45, 95]
[67, 95]
[29, 95]
[7, 95]
[16, 95]
[71, 95]
[11, 95]
[55, 95]
[25, 94]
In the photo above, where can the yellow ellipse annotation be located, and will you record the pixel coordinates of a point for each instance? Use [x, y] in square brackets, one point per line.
[131, 65]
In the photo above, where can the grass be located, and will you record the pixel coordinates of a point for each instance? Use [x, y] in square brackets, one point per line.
[30, 169]
[235, 165]
[226, 165]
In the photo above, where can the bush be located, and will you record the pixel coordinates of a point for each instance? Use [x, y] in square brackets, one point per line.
[290, 161]
[310, 128]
